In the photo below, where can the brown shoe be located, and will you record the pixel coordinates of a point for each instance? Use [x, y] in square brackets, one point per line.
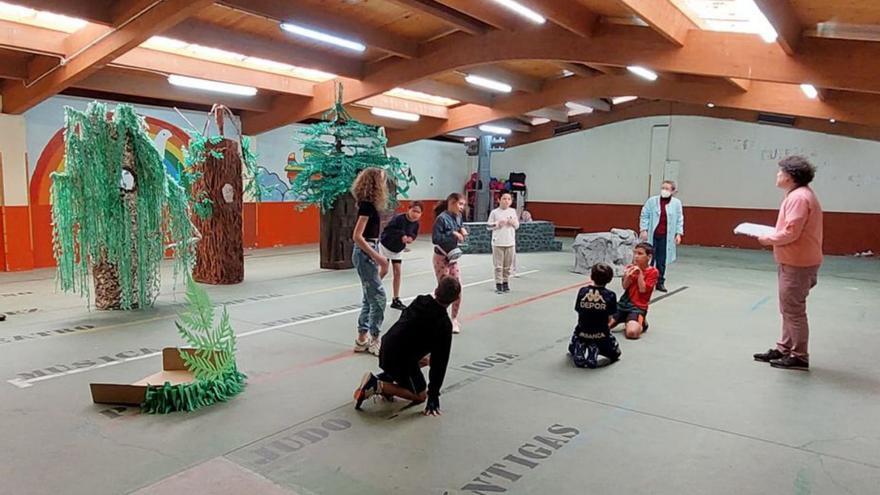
[766, 357]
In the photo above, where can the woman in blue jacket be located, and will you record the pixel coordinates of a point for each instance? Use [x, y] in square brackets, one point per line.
[662, 224]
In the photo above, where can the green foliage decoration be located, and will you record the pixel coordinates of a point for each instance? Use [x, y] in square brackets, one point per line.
[336, 150]
[215, 373]
[93, 221]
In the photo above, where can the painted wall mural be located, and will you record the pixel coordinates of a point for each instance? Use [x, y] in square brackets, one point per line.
[169, 140]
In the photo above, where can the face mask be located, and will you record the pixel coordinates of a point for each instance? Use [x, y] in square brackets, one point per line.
[665, 193]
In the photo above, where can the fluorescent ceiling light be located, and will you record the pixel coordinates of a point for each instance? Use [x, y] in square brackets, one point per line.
[618, 100]
[642, 72]
[810, 91]
[492, 84]
[522, 10]
[494, 129]
[567, 73]
[710, 105]
[323, 37]
[832, 120]
[215, 86]
[40, 18]
[539, 120]
[470, 139]
[394, 114]
[577, 108]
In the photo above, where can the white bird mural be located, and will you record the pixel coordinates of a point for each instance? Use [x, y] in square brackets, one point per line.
[159, 142]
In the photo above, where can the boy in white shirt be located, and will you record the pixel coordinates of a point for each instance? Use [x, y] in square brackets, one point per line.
[503, 222]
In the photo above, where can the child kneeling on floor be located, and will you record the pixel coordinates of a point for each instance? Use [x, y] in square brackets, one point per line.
[595, 306]
[639, 280]
[424, 329]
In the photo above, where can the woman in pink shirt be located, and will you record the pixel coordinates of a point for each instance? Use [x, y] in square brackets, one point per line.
[797, 248]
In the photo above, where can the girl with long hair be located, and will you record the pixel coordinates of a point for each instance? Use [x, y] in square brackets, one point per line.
[447, 234]
[370, 190]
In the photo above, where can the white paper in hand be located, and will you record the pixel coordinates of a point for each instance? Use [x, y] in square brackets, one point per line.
[754, 230]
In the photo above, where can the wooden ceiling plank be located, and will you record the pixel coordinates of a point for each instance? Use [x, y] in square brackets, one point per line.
[489, 12]
[90, 10]
[578, 69]
[461, 93]
[404, 105]
[568, 14]
[450, 16]
[207, 34]
[664, 17]
[303, 13]
[99, 52]
[520, 82]
[785, 21]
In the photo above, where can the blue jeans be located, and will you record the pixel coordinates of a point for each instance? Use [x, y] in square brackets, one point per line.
[373, 310]
[659, 259]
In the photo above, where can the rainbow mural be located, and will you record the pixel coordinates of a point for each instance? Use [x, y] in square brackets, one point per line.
[169, 139]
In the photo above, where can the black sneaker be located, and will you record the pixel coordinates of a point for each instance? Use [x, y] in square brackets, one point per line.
[661, 288]
[505, 287]
[2, 317]
[790, 363]
[397, 304]
[592, 357]
[369, 386]
[766, 357]
[499, 288]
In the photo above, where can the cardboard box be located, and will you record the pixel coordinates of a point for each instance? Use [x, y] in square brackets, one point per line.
[173, 371]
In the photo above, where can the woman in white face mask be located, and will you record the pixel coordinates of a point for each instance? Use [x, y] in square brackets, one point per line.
[662, 224]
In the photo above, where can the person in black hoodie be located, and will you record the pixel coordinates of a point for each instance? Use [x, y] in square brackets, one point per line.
[400, 231]
[422, 335]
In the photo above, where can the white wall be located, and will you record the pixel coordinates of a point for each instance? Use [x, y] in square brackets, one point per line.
[439, 167]
[723, 163]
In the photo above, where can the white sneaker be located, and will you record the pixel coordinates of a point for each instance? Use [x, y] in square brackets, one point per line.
[375, 344]
[361, 345]
[456, 327]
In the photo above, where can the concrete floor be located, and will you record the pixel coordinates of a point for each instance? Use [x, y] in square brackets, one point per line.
[686, 411]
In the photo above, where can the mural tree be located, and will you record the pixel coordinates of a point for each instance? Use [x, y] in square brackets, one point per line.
[115, 210]
[334, 152]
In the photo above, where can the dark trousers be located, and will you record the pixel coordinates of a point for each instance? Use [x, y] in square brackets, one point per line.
[659, 259]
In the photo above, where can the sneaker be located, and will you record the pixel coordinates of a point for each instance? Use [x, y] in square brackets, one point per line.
[375, 344]
[505, 287]
[498, 289]
[361, 344]
[592, 357]
[2, 317]
[766, 357]
[456, 327]
[790, 363]
[397, 304]
[661, 288]
[368, 387]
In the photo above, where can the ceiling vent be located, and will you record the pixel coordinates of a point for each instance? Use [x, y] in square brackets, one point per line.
[566, 128]
[776, 119]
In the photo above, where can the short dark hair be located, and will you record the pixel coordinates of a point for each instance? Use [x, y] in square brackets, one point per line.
[799, 169]
[448, 290]
[416, 204]
[601, 274]
[507, 193]
[649, 249]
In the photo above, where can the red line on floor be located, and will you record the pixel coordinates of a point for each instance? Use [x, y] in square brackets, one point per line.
[522, 302]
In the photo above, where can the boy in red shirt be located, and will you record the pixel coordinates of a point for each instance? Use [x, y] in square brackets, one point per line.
[639, 280]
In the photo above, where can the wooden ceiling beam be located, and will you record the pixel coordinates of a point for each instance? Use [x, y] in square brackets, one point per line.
[554, 114]
[404, 105]
[464, 94]
[450, 16]
[305, 14]
[784, 20]
[207, 34]
[520, 82]
[579, 69]
[98, 11]
[143, 84]
[663, 17]
[87, 57]
[568, 14]
[762, 96]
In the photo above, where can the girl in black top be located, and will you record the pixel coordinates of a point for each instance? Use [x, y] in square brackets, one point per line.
[371, 192]
[398, 233]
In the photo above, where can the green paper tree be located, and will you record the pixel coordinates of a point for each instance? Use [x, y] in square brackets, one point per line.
[116, 207]
[336, 150]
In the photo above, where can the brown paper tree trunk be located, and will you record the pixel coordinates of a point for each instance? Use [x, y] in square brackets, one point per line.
[220, 252]
[337, 226]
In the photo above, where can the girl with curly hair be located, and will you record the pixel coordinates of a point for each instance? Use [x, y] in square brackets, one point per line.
[370, 190]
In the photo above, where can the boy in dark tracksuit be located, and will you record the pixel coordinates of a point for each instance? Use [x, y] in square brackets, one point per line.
[595, 306]
[424, 329]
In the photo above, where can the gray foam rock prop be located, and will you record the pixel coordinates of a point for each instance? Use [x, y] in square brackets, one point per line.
[614, 248]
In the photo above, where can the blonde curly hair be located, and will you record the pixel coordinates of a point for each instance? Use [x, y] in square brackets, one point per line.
[371, 186]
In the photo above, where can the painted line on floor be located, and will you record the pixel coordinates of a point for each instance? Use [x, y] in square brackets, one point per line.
[221, 304]
[669, 294]
[25, 383]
